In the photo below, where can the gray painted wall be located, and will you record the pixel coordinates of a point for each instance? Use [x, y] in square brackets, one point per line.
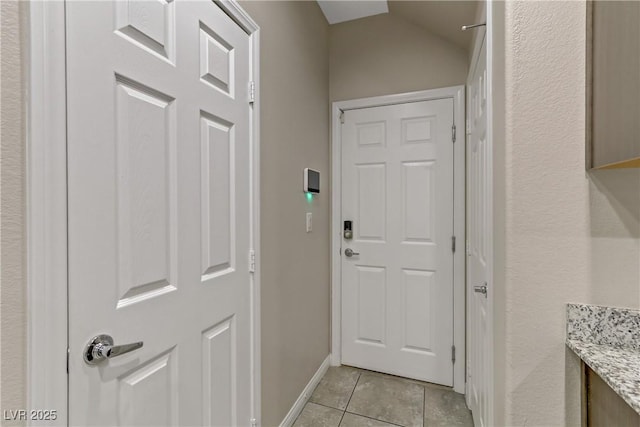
[295, 134]
[384, 54]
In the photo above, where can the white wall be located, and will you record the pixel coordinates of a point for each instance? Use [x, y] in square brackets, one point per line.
[567, 235]
[12, 221]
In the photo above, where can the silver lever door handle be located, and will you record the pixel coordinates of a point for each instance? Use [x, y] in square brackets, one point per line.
[349, 252]
[101, 348]
[481, 289]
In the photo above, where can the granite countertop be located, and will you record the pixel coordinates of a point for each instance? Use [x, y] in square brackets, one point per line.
[607, 339]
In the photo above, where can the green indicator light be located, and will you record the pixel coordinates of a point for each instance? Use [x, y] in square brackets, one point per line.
[309, 197]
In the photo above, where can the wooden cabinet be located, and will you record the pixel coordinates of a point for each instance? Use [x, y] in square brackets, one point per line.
[604, 408]
[613, 84]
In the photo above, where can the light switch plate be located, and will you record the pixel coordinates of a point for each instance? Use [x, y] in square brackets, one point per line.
[309, 222]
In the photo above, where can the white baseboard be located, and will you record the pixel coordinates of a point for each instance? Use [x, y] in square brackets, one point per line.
[295, 410]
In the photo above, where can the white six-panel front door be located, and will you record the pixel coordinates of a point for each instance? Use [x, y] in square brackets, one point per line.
[397, 188]
[159, 212]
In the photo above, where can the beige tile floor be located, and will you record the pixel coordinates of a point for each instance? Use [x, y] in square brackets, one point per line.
[358, 398]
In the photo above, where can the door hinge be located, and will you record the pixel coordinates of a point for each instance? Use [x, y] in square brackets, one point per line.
[341, 117]
[252, 261]
[453, 132]
[253, 422]
[67, 360]
[453, 353]
[453, 243]
[252, 92]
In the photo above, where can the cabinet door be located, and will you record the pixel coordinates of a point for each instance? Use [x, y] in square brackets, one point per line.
[613, 84]
[604, 407]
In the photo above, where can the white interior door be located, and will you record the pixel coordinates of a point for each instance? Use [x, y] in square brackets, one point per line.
[159, 212]
[397, 188]
[478, 226]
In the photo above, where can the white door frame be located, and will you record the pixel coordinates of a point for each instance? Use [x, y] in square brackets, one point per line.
[491, 41]
[46, 208]
[457, 93]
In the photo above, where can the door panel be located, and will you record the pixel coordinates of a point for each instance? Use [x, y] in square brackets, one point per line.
[217, 197]
[148, 24]
[397, 188]
[219, 372]
[159, 205]
[216, 61]
[145, 195]
[372, 285]
[371, 212]
[418, 200]
[147, 394]
[418, 287]
[478, 226]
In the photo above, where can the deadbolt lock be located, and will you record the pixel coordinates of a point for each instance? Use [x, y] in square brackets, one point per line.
[348, 230]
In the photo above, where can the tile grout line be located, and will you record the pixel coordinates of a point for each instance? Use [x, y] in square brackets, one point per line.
[320, 404]
[365, 416]
[374, 419]
[424, 404]
[405, 383]
[350, 396]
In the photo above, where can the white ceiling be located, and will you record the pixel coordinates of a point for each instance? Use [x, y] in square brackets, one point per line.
[337, 11]
[443, 18]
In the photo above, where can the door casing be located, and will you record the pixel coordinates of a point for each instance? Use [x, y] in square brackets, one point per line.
[457, 93]
[46, 208]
